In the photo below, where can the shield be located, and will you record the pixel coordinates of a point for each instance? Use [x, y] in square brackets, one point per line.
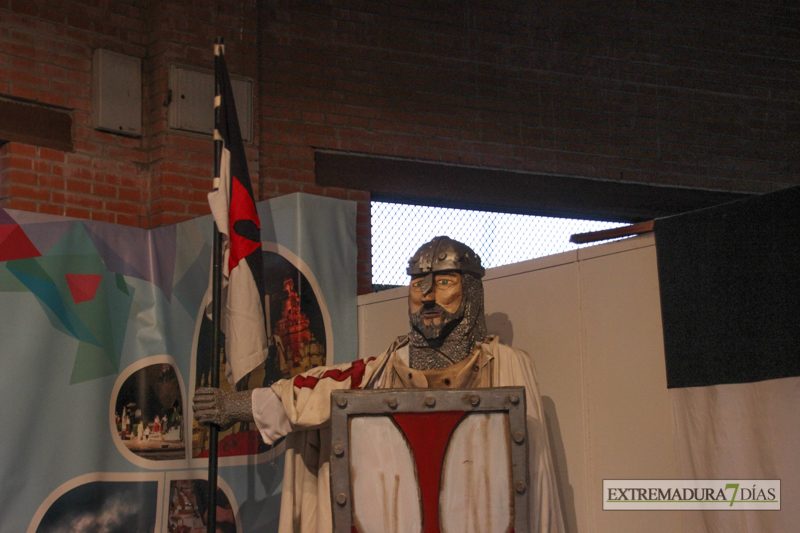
[429, 461]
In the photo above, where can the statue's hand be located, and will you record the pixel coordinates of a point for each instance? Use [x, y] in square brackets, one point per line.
[214, 406]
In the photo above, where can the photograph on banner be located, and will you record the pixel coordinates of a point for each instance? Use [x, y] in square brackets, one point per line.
[187, 510]
[148, 414]
[107, 506]
[295, 318]
[297, 341]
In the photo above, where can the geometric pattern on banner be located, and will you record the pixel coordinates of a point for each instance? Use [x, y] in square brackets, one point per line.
[14, 244]
[44, 235]
[191, 265]
[83, 286]
[61, 282]
[5, 218]
[148, 255]
[196, 275]
[139, 253]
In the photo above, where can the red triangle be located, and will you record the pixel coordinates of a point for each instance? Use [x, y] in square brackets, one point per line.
[83, 286]
[14, 244]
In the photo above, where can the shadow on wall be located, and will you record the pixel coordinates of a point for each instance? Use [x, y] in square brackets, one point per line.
[499, 324]
[263, 514]
[565, 492]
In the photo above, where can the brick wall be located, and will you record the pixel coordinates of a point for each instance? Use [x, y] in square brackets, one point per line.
[672, 93]
[45, 57]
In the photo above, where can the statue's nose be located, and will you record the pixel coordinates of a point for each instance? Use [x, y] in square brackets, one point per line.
[426, 285]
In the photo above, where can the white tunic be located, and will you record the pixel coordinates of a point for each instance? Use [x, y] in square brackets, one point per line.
[302, 406]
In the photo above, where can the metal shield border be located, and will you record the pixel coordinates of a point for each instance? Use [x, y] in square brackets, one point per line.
[347, 403]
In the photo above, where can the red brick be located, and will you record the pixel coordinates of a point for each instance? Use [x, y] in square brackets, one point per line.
[28, 192]
[127, 154]
[133, 195]
[81, 200]
[102, 216]
[361, 196]
[84, 187]
[79, 159]
[52, 155]
[313, 189]
[198, 210]
[166, 204]
[124, 207]
[106, 191]
[87, 147]
[76, 212]
[51, 98]
[21, 149]
[18, 163]
[127, 220]
[285, 187]
[335, 192]
[50, 209]
[51, 182]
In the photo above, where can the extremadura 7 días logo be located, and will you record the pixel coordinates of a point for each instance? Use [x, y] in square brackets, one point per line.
[691, 494]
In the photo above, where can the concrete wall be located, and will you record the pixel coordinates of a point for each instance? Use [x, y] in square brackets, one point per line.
[591, 319]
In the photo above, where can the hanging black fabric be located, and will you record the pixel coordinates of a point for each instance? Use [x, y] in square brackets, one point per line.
[729, 278]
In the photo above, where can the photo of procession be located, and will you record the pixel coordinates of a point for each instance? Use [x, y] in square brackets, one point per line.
[149, 414]
[297, 343]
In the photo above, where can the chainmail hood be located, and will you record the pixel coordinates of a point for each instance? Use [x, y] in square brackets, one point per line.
[439, 346]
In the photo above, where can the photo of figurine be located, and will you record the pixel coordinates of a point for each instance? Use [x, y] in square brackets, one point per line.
[149, 414]
[107, 506]
[188, 508]
[297, 343]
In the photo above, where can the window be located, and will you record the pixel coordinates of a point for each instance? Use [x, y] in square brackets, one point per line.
[498, 238]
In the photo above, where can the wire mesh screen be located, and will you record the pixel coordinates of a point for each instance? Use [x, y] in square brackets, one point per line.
[498, 238]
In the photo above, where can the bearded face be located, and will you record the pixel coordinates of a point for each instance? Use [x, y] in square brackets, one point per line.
[435, 313]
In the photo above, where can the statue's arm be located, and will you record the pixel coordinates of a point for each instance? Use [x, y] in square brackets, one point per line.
[214, 406]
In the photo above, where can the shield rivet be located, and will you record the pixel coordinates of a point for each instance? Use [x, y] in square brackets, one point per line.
[338, 449]
[430, 401]
[519, 437]
[519, 486]
[513, 399]
[393, 403]
[341, 401]
[341, 498]
[474, 399]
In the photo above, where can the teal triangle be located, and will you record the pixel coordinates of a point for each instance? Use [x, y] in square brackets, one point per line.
[75, 242]
[9, 282]
[58, 310]
[91, 362]
[121, 284]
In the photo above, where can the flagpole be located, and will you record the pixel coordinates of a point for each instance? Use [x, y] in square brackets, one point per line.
[216, 307]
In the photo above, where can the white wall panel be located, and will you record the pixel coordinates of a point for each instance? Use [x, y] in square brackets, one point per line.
[629, 419]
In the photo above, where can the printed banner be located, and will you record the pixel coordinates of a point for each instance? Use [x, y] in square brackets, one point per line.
[105, 339]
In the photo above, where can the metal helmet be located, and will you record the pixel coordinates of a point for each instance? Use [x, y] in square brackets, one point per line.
[443, 344]
[440, 254]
